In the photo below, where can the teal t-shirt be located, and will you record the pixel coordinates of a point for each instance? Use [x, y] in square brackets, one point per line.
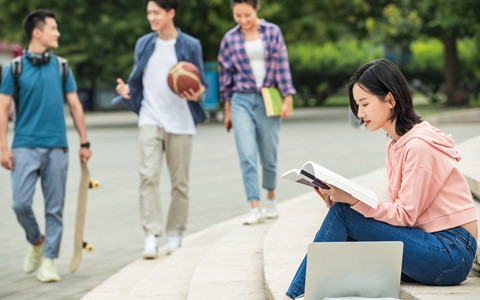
[40, 120]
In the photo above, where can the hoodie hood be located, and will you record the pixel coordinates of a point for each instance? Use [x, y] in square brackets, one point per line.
[435, 137]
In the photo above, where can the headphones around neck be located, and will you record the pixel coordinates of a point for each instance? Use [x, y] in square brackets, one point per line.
[38, 59]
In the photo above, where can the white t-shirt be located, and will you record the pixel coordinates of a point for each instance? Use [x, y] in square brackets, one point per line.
[256, 56]
[160, 106]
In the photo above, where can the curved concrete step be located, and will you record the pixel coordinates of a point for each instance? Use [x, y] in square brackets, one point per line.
[286, 242]
[233, 267]
[167, 277]
[470, 163]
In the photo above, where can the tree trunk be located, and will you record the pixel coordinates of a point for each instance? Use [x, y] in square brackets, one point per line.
[455, 96]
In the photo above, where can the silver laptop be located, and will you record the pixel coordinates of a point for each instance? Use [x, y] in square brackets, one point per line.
[353, 269]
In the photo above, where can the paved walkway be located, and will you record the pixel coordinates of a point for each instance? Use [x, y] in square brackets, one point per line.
[321, 134]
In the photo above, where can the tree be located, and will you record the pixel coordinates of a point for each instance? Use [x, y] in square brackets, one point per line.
[207, 20]
[321, 21]
[449, 20]
[404, 21]
[97, 37]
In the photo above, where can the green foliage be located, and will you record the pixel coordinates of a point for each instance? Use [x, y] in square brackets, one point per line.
[460, 18]
[426, 70]
[404, 21]
[398, 25]
[321, 70]
[207, 20]
[321, 20]
[97, 37]
[469, 61]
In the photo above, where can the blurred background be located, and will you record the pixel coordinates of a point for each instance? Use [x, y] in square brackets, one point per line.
[435, 43]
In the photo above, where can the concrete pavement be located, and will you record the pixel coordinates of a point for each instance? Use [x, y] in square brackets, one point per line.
[320, 134]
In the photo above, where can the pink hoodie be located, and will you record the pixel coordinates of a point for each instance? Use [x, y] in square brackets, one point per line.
[426, 187]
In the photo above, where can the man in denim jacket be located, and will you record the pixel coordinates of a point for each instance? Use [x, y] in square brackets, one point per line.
[166, 121]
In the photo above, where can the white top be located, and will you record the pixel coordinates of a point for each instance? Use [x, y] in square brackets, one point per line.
[160, 106]
[256, 56]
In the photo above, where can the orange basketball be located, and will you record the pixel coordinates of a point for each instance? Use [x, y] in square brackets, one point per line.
[184, 76]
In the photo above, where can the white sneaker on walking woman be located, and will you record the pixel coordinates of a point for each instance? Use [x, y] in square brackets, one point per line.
[271, 209]
[255, 217]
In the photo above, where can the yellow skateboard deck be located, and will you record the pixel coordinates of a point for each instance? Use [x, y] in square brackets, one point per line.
[78, 243]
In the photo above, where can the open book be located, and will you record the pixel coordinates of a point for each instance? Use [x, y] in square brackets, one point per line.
[314, 175]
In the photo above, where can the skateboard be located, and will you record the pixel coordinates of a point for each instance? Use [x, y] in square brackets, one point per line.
[78, 243]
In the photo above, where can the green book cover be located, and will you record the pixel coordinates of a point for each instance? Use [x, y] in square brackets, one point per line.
[273, 101]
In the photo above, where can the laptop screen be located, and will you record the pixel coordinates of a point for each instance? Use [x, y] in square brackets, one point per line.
[353, 269]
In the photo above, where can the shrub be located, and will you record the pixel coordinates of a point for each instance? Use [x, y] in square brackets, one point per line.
[426, 70]
[319, 71]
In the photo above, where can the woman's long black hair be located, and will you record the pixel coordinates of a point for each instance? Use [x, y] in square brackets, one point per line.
[381, 77]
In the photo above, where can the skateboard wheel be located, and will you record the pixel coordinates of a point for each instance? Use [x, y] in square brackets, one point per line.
[88, 247]
[93, 184]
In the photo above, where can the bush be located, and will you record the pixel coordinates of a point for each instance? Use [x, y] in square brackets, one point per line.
[469, 66]
[426, 70]
[319, 71]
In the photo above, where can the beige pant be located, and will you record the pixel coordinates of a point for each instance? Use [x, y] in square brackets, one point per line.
[154, 142]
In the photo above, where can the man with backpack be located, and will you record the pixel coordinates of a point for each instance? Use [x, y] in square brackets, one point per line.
[39, 149]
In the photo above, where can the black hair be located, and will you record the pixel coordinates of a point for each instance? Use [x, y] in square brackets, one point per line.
[166, 4]
[253, 3]
[381, 77]
[36, 19]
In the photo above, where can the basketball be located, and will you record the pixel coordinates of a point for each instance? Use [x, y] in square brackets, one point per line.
[184, 76]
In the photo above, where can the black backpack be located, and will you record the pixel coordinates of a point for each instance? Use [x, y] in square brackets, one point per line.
[17, 70]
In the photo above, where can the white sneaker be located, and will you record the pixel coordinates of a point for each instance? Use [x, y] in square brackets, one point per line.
[174, 242]
[271, 209]
[33, 259]
[48, 272]
[150, 247]
[255, 217]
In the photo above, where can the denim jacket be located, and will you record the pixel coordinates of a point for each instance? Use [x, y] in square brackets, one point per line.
[187, 48]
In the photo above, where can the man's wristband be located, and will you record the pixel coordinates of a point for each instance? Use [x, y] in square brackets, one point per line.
[85, 145]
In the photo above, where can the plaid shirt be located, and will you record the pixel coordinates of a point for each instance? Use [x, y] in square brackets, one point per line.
[236, 74]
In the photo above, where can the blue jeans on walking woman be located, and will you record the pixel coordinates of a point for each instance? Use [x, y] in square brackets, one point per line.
[255, 133]
[439, 258]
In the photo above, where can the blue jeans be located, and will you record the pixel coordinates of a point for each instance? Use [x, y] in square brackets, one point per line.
[255, 133]
[439, 258]
[50, 164]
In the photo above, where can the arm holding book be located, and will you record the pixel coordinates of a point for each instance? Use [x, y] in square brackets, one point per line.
[334, 194]
[286, 106]
[331, 184]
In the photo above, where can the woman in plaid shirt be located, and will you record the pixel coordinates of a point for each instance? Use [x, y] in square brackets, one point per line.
[253, 55]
